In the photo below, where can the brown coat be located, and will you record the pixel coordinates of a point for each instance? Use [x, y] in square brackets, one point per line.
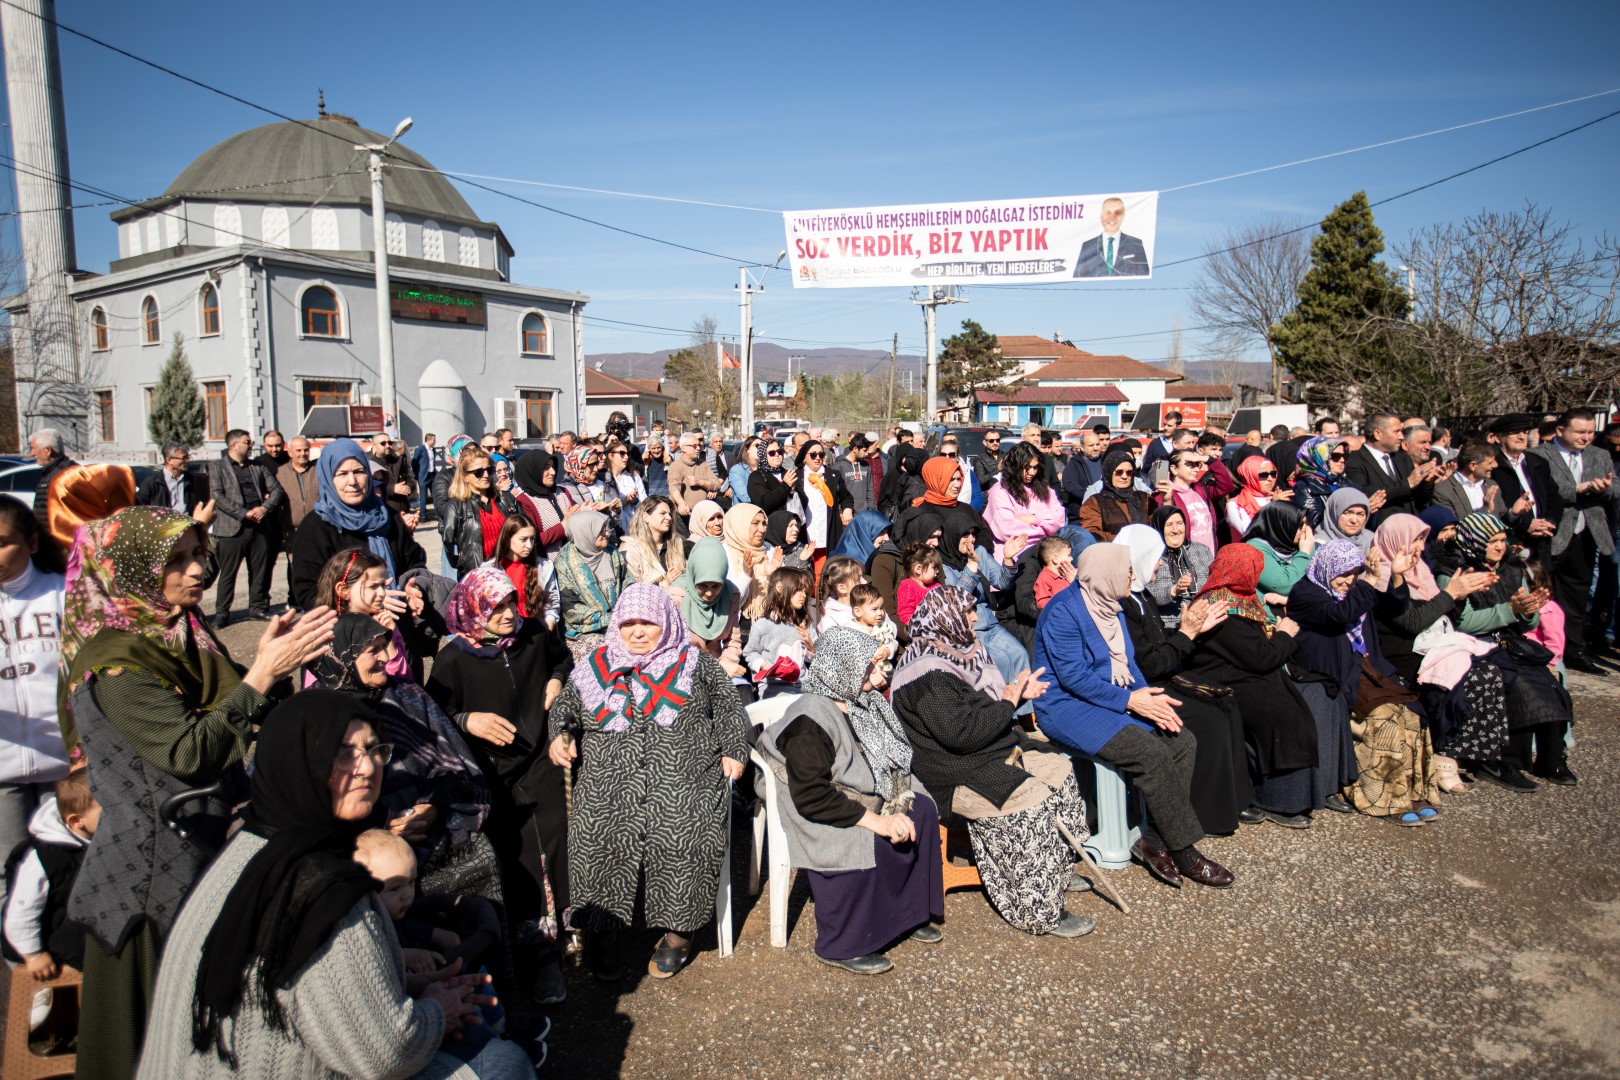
[302, 490]
[691, 484]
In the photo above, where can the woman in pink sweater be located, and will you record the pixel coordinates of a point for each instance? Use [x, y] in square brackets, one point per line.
[1022, 503]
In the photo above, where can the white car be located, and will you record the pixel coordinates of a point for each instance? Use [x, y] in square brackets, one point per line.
[18, 479]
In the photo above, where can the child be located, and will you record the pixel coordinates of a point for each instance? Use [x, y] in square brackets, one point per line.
[42, 875]
[867, 604]
[839, 576]
[1057, 569]
[1549, 628]
[356, 582]
[780, 643]
[923, 566]
[518, 555]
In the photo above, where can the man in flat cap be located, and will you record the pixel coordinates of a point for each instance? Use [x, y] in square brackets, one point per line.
[1526, 482]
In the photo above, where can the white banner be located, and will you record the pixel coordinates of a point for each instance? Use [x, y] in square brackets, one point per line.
[1007, 241]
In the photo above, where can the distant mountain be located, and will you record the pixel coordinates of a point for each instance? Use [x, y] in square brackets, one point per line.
[770, 361]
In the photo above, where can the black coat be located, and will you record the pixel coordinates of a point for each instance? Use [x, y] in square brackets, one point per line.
[768, 492]
[1277, 723]
[1549, 504]
[835, 512]
[1398, 630]
[318, 540]
[960, 737]
[154, 490]
[1362, 470]
[1324, 623]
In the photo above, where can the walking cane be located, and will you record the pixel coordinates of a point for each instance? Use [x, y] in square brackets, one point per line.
[1093, 872]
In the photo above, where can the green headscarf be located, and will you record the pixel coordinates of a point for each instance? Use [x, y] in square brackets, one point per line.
[708, 563]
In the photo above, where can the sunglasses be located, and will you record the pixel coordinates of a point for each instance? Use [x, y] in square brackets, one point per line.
[992, 442]
[1335, 457]
[1124, 472]
[1270, 474]
[775, 451]
[480, 471]
[618, 453]
[815, 456]
[950, 454]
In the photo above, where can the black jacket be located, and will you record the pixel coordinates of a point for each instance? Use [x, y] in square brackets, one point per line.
[318, 540]
[1277, 724]
[1362, 469]
[1549, 504]
[960, 737]
[463, 530]
[154, 490]
[767, 491]
[835, 512]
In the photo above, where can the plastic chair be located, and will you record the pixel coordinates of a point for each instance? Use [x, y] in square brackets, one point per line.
[956, 877]
[770, 837]
[1110, 846]
[21, 1063]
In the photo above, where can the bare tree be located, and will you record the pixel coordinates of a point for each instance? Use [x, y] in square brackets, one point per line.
[1176, 363]
[1251, 280]
[1518, 301]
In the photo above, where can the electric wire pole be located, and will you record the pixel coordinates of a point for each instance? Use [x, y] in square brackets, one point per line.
[888, 417]
[937, 295]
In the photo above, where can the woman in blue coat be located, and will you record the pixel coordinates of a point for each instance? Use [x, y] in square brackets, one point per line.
[1097, 702]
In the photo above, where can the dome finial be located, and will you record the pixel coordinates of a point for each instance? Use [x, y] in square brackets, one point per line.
[320, 101]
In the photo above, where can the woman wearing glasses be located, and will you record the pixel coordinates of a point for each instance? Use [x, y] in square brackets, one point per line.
[624, 478]
[1258, 479]
[825, 501]
[1184, 492]
[770, 485]
[1119, 503]
[1319, 473]
[474, 512]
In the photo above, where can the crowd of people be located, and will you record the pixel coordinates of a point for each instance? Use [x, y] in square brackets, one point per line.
[431, 782]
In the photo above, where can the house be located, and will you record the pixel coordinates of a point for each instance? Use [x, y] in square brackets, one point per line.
[1050, 407]
[642, 400]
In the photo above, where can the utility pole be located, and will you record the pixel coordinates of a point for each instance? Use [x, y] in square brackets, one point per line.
[745, 308]
[720, 379]
[379, 260]
[937, 295]
[894, 352]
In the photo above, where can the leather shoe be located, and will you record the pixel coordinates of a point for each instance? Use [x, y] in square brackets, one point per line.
[1072, 926]
[1559, 775]
[1206, 872]
[1158, 862]
[870, 964]
[928, 934]
[1580, 662]
[1337, 804]
[1252, 815]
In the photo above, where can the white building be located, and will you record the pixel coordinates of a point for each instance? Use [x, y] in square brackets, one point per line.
[642, 400]
[259, 256]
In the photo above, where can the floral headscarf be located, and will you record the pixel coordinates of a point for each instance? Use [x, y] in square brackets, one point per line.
[940, 630]
[617, 687]
[578, 460]
[1233, 579]
[1334, 559]
[1312, 459]
[475, 599]
[843, 659]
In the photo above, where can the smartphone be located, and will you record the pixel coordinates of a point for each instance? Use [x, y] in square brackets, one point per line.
[1161, 471]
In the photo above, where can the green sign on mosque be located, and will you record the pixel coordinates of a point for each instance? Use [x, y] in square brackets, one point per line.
[432, 304]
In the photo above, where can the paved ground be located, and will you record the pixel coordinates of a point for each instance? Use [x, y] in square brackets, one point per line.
[1487, 943]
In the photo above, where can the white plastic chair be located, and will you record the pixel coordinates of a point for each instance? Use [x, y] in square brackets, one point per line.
[767, 825]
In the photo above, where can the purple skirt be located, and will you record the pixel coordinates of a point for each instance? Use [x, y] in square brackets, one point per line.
[859, 912]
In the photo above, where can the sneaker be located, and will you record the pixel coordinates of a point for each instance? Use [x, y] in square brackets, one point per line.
[1072, 926]
[1494, 772]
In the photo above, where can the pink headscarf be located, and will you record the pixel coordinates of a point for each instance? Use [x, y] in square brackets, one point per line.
[476, 597]
[618, 687]
[1250, 495]
[1397, 532]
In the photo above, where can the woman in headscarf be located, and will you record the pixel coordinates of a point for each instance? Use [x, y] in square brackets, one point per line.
[942, 477]
[284, 961]
[858, 822]
[969, 750]
[591, 573]
[652, 548]
[348, 514]
[496, 678]
[1463, 694]
[545, 504]
[712, 611]
[860, 540]
[1258, 478]
[1099, 703]
[903, 484]
[1221, 788]
[708, 518]
[796, 552]
[471, 519]
[659, 732]
[752, 563]
[1441, 551]
[160, 708]
[1119, 503]
[970, 567]
[434, 794]
[886, 568]
[1346, 518]
[1285, 543]
[1539, 712]
[1297, 733]
[1318, 473]
[1335, 607]
[582, 480]
[1182, 569]
[825, 502]
[770, 485]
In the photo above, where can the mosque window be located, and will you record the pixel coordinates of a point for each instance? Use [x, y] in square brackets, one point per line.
[322, 315]
[536, 342]
[275, 226]
[394, 228]
[209, 302]
[432, 241]
[98, 329]
[323, 229]
[151, 324]
[467, 247]
[227, 225]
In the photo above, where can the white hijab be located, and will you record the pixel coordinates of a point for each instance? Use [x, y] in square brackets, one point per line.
[1147, 548]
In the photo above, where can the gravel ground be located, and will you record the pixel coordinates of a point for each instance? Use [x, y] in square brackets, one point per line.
[1486, 943]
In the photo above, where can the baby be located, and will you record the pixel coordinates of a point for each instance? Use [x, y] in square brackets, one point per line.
[867, 604]
[1057, 569]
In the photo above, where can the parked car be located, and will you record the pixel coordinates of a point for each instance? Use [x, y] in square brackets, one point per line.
[969, 437]
[19, 479]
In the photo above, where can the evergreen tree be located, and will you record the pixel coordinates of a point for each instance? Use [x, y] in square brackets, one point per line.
[972, 361]
[177, 413]
[1341, 334]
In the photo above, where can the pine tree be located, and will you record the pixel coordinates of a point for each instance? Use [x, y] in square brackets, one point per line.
[177, 413]
[1338, 339]
[972, 361]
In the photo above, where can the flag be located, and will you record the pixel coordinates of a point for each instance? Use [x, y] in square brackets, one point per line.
[726, 359]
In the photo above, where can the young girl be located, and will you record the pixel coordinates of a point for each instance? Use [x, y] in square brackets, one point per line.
[356, 582]
[780, 642]
[518, 556]
[1549, 629]
[923, 566]
[839, 577]
[870, 619]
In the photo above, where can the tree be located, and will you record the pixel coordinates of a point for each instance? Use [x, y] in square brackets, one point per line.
[1339, 337]
[1251, 282]
[177, 413]
[972, 361]
[695, 369]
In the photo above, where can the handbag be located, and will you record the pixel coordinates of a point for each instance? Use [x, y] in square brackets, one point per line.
[1525, 651]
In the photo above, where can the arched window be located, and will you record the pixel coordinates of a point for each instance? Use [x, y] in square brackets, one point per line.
[321, 314]
[151, 326]
[467, 247]
[536, 342]
[432, 241]
[323, 229]
[274, 226]
[208, 306]
[394, 230]
[227, 225]
[98, 330]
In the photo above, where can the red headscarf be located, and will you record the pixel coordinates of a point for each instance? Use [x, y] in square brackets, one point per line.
[1250, 495]
[937, 473]
[1234, 577]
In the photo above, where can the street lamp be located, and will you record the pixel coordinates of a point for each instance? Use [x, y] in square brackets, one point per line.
[379, 259]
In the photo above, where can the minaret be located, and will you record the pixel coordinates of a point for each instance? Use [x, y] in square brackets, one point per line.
[50, 384]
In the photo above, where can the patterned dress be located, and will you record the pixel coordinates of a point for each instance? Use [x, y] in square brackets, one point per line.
[650, 802]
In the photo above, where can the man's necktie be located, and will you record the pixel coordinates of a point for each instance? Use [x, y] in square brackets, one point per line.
[1110, 259]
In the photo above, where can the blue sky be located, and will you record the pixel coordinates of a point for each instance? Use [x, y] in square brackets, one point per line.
[817, 106]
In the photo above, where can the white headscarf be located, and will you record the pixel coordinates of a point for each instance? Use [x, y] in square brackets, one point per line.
[1147, 548]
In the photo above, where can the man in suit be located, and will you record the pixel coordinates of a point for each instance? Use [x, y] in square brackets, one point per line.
[1113, 254]
[175, 487]
[1471, 488]
[247, 498]
[425, 461]
[1384, 472]
[1583, 475]
[1533, 505]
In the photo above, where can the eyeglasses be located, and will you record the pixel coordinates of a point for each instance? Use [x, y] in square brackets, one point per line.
[618, 453]
[775, 451]
[480, 472]
[815, 455]
[349, 756]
